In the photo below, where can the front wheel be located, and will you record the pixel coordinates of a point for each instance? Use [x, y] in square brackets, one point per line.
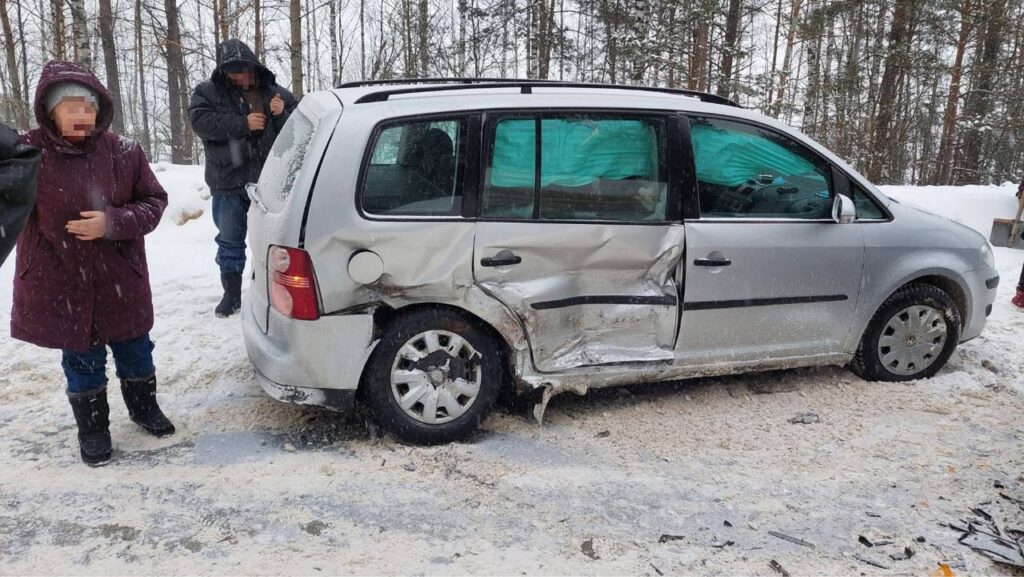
[911, 336]
[433, 378]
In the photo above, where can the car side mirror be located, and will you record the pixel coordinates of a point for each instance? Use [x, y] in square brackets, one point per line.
[843, 209]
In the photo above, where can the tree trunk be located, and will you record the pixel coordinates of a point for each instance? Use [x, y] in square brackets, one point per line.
[257, 18]
[362, 39]
[424, 34]
[180, 147]
[224, 20]
[20, 106]
[463, 15]
[295, 46]
[59, 31]
[335, 56]
[140, 65]
[895, 61]
[787, 60]
[944, 169]
[729, 49]
[80, 27]
[701, 50]
[110, 63]
[978, 102]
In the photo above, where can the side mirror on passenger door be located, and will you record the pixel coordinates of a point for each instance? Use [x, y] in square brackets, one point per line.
[843, 209]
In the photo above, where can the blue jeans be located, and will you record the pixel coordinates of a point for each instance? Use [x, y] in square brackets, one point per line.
[229, 214]
[88, 371]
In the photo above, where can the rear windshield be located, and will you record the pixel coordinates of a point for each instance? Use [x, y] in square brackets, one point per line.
[286, 159]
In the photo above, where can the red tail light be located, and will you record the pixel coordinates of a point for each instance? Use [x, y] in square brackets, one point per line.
[292, 285]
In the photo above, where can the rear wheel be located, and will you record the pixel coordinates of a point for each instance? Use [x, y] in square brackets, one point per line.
[433, 378]
[911, 336]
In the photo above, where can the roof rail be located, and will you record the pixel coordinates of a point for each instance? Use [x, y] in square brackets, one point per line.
[525, 86]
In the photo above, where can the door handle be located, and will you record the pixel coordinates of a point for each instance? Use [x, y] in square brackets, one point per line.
[503, 260]
[712, 262]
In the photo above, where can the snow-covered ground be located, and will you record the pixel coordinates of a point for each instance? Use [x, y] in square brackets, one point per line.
[658, 479]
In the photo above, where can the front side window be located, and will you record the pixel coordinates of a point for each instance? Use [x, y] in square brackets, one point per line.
[415, 169]
[748, 171]
[591, 168]
[867, 208]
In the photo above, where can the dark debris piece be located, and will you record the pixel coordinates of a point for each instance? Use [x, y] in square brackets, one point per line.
[665, 538]
[872, 562]
[796, 540]
[805, 419]
[996, 548]
[907, 553]
[588, 549]
[604, 434]
[778, 568]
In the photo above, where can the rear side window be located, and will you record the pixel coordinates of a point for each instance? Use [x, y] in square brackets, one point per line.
[286, 159]
[749, 171]
[582, 167]
[415, 169]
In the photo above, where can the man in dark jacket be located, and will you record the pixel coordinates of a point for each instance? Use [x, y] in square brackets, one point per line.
[238, 113]
[18, 164]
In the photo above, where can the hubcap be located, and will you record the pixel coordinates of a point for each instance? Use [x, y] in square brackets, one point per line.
[912, 340]
[435, 377]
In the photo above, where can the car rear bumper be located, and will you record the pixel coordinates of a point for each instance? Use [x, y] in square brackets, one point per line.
[309, 362]
[984, 286]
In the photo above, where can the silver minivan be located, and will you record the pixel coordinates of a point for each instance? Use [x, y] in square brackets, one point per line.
[421, 246]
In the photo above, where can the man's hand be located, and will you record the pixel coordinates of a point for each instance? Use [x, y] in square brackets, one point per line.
[92, 227]
[277, 105]
[257, 121]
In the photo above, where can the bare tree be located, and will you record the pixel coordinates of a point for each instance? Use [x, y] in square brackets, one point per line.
[181, 149]
[80, 27]
[20, 106]
[295, 45]
[110, 63]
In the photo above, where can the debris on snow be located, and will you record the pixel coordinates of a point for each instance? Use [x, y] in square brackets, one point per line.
[796, 540]
[805, 419]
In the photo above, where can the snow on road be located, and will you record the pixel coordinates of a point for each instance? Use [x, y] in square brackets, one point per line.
[252, 486]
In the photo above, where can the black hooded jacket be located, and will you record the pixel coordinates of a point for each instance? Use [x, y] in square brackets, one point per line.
[218, 111]
[18, 164]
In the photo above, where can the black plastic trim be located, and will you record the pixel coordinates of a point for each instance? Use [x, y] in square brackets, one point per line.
[992, 282]
[733, 304]
[605, 300]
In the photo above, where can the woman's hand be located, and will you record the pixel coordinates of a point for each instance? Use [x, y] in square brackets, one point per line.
[93, 226]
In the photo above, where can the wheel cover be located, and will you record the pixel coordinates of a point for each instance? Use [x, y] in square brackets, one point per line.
[912, 340]
[435, 377]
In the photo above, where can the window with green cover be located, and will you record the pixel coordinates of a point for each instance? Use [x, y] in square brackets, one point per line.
[749, 171]
[590, 168]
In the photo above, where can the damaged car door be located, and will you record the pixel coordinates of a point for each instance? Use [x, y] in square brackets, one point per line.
[579, 234]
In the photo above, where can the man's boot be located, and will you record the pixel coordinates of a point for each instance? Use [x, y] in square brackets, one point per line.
[92, 413]
[232, 300]
[140, 398]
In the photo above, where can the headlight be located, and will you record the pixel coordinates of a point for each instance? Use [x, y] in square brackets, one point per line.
[987, 255]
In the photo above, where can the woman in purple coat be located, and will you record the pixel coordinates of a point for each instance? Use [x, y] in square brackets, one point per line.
[81, 282]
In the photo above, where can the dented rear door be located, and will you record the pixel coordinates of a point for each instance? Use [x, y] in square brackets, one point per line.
[579, 235]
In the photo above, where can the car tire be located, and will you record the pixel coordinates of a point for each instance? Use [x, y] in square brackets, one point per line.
[911, 336]
[433, 378]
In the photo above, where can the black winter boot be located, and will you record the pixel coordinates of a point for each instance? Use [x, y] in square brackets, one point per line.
[92, 413]
[232, 300]
[140, 398]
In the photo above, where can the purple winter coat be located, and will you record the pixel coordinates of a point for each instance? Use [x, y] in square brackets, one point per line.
[72, 294]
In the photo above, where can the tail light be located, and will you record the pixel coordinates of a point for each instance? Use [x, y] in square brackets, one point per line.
[292, 284]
